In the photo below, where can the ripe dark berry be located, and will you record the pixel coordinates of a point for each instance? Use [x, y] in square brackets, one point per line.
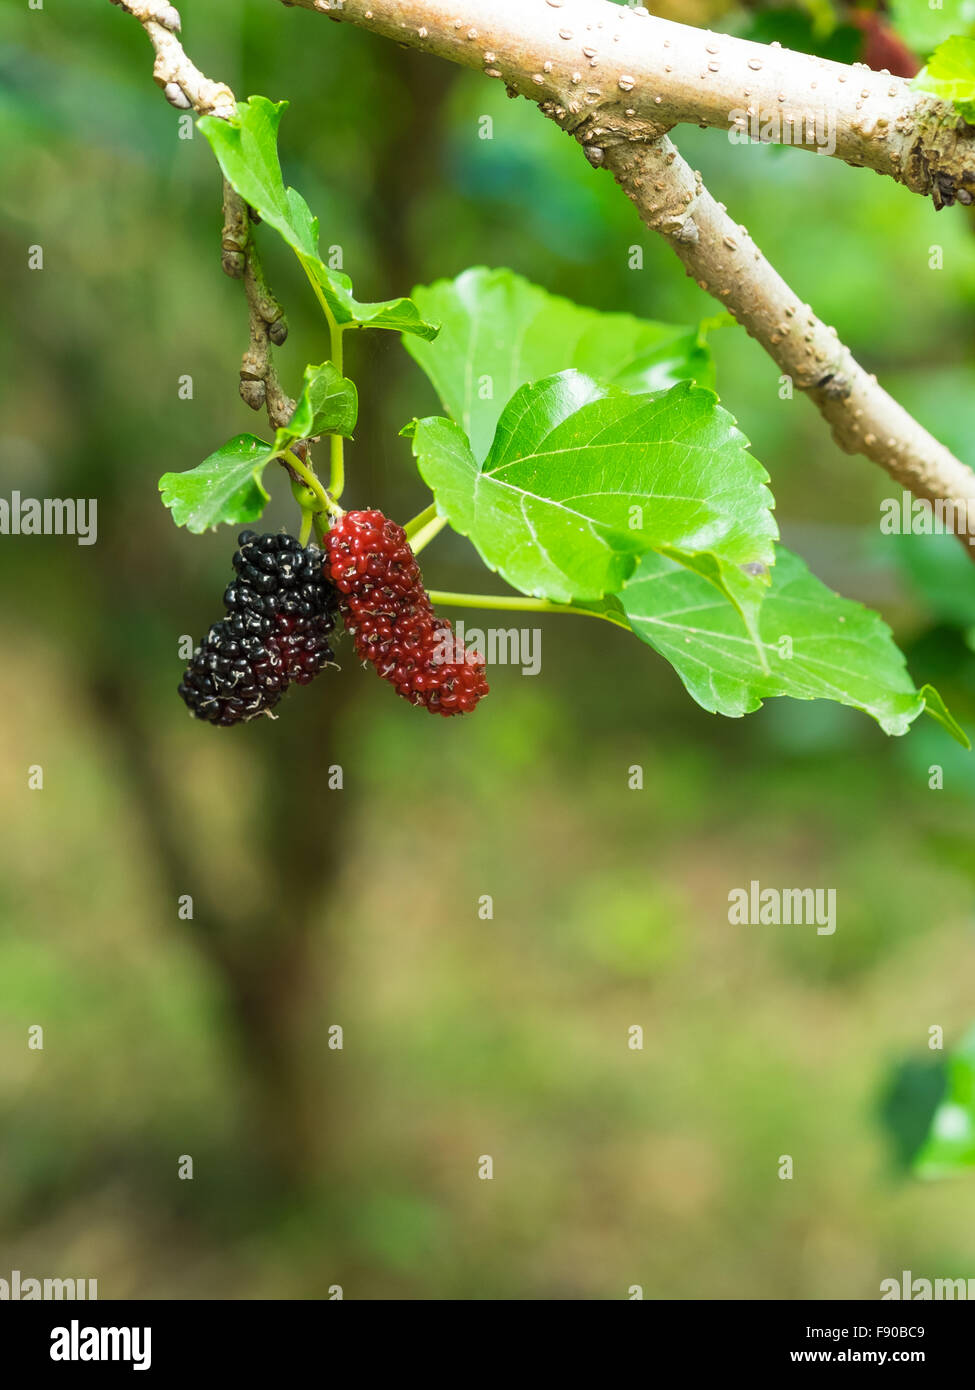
[391, 620]
[280, 610]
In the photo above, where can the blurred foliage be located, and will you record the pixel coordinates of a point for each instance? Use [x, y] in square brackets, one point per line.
[923, 25]
[950, 75]
[949, 1147]
[462, 1037]
[806, 31]
[908, 1103]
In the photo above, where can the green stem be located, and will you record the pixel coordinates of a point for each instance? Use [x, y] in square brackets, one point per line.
[425, 534]
[311, 481]
[336, 445]
[515, 603]
[304, 535]
[420, 520]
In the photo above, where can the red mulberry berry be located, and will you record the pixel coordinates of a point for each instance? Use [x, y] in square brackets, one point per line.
[280, 610]
[390, 618]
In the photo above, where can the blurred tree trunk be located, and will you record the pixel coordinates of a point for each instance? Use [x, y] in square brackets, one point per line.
[270, 957]
[275, 958]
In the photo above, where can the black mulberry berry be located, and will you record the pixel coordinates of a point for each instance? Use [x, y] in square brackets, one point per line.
[280, 611]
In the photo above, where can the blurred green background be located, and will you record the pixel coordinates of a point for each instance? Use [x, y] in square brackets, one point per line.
[314, 907]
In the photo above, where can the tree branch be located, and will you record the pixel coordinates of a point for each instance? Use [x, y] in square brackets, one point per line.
[602, 62]
[183, 84]
[187, 88]
[724, 260]
[621, 123]
[617, 79]
[259, 385]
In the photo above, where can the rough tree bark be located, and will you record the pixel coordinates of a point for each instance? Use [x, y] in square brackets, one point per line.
[723, 259]
[603, 60]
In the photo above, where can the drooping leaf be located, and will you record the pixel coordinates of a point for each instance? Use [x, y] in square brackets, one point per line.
[818, 646]
[226, 487]
[398, 315]
[950, 75]
[582, 479]
[939, 711]
[328, 404]
[499, 331]
[950, 1144]
[247, 151]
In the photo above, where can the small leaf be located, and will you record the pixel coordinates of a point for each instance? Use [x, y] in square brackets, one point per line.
[247, 151]
[818, 646]
[950, 1144]
[582, 479]
[950, 75]
[328, 404]
[499, 331]
[226, 487]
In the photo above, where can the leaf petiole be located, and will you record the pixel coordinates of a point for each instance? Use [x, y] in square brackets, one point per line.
[518, 604]
[417, 522]
[336, 446]
[423, 535]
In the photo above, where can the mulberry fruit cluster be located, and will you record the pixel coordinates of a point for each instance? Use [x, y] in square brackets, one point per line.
[280, 611]
[391, 620]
